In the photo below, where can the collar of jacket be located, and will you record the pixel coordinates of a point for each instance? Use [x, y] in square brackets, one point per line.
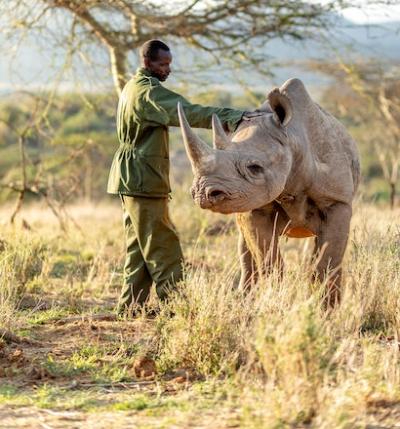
[144, 72]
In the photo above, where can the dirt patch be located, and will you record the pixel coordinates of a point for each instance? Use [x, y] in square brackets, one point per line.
[31, 362]
[41, 397]
[34, 418]
[33, 302]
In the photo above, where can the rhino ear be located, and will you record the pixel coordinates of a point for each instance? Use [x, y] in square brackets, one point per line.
[281, 107]
[265, 107]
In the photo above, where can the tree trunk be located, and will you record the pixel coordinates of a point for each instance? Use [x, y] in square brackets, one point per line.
[20, 199]
[118, 68]
[88, 178]
[392, 195]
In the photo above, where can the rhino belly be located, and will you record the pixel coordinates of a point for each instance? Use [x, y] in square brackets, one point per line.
[299, 232]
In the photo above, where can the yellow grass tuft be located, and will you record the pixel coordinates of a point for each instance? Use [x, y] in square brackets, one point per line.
[283, 361]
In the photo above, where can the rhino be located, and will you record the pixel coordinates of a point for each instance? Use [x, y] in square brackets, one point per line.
[292, 171]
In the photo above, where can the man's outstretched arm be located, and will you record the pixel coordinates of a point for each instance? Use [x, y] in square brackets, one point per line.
[162, 106]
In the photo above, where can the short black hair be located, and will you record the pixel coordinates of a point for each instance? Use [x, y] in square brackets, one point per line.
[150, 49]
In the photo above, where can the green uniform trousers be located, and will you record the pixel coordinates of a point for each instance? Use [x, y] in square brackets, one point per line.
[153, 251]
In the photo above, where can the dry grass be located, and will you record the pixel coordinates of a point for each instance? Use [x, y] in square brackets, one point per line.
[271, 357]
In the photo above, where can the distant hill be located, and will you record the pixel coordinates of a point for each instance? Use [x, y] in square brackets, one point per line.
[285, 58]
[288, 58]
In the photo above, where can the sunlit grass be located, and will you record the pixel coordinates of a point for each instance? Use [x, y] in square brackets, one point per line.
[278, 359]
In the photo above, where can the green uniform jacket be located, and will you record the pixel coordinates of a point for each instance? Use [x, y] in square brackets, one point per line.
[146, 108]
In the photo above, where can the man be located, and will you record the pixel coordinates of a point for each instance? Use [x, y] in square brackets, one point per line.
[140, 174]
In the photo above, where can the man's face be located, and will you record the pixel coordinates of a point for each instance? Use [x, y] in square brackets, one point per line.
[160, 67]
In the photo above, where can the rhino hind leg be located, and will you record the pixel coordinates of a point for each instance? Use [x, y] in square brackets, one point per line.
[330, 245]
[258, 243]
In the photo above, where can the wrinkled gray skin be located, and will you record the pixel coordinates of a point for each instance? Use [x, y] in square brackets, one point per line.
[293, 171]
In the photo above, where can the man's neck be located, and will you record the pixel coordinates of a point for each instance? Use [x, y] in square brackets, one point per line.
[147, 71]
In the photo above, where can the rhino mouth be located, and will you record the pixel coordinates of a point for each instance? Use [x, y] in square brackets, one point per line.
[222, 202]
[226, 202]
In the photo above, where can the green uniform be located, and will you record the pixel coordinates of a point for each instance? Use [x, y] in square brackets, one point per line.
[140, 174]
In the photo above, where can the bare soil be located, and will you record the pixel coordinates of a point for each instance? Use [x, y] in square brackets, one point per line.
[23, 367]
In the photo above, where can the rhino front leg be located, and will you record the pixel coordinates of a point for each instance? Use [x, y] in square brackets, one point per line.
[258, 243]
[248, 270]
[330, 245]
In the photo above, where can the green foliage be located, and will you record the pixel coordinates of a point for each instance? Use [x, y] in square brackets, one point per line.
[8, 391]
[74, 145]
[109, 364]
[82, 138]
[45, 316]
[75, 365]
[139, 403]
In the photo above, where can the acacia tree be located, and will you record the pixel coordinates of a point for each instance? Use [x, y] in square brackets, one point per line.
[389, 152]
[379, 86]
[221, 28]
[26, 120]
[229, 31]
[377, 106]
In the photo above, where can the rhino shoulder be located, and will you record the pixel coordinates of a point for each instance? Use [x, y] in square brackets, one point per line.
[335, 155]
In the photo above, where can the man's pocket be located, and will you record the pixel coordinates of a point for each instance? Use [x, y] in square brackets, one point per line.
[155, 174]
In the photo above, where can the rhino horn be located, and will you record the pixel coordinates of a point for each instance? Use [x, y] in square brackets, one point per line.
[220, 139]
[281, 107]
[195, 147]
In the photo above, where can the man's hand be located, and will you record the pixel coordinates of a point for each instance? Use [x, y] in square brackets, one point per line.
[247, 116]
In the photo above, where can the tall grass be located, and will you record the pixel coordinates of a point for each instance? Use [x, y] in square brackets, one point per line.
[21, 263]
[60, 268]
[290, 363]
[294, 363]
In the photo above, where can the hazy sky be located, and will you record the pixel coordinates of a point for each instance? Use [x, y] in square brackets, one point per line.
[371, 15]
[34, 66]
[363, 15]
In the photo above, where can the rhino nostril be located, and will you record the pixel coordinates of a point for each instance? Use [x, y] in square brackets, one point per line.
[216, 193]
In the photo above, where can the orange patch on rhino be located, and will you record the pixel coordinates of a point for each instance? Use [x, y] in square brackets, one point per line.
[299, 232]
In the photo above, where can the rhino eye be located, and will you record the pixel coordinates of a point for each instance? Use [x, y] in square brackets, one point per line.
[255, 169]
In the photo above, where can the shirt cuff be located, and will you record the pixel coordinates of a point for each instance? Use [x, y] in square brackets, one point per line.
[235, 120]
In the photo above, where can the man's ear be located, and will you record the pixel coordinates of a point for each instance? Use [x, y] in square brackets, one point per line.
[146, 62]
[281, 107]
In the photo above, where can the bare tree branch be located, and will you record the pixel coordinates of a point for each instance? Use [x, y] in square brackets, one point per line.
[121, 26]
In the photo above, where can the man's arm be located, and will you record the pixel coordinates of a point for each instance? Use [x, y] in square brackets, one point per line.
[161, 107]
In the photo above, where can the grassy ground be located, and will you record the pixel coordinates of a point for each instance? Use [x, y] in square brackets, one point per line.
[270, 359]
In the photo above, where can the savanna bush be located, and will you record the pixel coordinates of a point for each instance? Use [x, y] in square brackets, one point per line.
[21, 262]
[374, 280]
[293, 363]
[209, 327]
